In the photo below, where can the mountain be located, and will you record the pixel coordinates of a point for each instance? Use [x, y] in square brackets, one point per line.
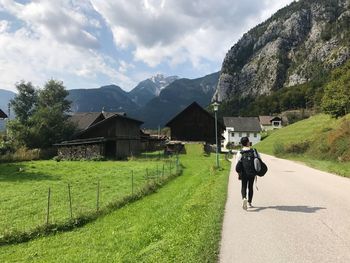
[299, 44]
[111, 98]
[5, 97]
[175, 97]
[150, 88]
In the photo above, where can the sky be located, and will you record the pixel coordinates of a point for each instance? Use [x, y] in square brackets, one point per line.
[91, 43]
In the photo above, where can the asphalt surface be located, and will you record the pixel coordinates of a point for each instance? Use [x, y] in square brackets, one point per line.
[300, 215]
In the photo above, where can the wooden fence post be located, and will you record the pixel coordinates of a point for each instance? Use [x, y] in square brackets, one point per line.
[48, 206]
[70, 202]
[132, 182]
[98, 196]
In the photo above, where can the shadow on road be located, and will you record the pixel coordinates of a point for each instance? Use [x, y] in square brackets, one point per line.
[292, 208]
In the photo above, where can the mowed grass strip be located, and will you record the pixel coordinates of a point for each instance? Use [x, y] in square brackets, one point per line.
[24, 189]
[180, 223]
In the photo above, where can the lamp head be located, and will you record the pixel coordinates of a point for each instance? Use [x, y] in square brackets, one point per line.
[216, 106]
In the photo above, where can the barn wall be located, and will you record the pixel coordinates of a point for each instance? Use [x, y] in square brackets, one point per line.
[195, 125]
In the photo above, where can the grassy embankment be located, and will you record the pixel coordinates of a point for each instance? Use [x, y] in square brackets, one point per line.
[320, 142]
[180, 223]
[24, 188]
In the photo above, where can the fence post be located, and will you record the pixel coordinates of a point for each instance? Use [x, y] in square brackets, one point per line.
[132, 182]
[177, 163]
[70, 202]
[48, 206]
[98, 196]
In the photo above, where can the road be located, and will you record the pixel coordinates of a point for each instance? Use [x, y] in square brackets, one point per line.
[300, 215]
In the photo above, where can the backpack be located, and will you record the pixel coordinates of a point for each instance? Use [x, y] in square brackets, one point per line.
[248, 161]
[252, 164]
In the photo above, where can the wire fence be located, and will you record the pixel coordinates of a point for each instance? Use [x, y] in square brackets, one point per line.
[65, 202]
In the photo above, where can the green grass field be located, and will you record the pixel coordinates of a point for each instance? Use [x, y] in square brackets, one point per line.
[310, 129]
[300, 131]
[24, 188]
[180, 223]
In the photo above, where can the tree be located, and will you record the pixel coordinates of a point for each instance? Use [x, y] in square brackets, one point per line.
[24, 102]
[48, 121]
[336, 99]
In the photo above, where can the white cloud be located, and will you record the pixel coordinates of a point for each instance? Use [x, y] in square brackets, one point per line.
[177, 31]
[53, 43]
[57, 20]
[4, 26]
[64, 38]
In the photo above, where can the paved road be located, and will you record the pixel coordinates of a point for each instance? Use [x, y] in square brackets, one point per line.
[300, 215]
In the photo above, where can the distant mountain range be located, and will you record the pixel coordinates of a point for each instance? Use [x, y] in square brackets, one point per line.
[153, 100]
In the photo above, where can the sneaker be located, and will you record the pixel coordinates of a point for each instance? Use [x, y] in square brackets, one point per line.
[245, 203]
[250, 205]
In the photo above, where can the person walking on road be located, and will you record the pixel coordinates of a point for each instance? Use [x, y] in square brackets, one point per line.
[246, 171]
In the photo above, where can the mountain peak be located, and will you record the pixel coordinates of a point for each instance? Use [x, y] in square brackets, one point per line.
[150, 88]
[162, 81]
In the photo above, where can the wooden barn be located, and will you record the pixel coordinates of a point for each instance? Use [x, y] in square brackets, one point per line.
[100, 134]
[194, 124]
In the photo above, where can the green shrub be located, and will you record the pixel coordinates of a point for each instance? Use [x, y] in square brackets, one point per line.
[278, 149]
[297, 148]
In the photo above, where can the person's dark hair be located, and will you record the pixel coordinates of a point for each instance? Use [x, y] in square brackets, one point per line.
[245, 141]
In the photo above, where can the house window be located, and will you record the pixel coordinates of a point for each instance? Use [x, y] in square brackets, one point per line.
[248, 134]
[232, 134]
[255, 135]
[276, 123]
[240, 134]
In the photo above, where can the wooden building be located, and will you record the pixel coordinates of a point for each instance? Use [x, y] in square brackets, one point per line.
[194, 124]
[108, 135]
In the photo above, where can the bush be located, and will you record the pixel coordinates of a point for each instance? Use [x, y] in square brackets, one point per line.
[297, 148]
[278, 149]
[24, 154]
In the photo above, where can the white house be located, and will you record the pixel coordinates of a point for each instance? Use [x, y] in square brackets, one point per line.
[270, 122]
[238, 127]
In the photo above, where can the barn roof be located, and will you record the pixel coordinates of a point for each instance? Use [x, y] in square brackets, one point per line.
[108, 120]
[243, 124]
[110, 114]
[2, 115]
[84, 120]
[189, 108]
[266, 120]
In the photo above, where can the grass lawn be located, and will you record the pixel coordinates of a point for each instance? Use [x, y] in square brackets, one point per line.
[297, 132]
[308, 129]
[180, 223]
[24, 188]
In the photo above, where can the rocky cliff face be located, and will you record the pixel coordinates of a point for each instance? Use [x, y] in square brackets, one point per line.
[295, 45]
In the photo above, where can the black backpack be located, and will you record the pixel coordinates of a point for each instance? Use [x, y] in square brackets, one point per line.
[251, 165]
[248, 163]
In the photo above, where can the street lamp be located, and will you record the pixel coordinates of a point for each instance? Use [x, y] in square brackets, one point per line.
[216, 108]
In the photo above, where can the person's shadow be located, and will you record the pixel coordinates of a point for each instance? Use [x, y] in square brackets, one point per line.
[290, 208]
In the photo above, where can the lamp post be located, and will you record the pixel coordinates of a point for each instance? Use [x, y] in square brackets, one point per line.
[216, 108]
